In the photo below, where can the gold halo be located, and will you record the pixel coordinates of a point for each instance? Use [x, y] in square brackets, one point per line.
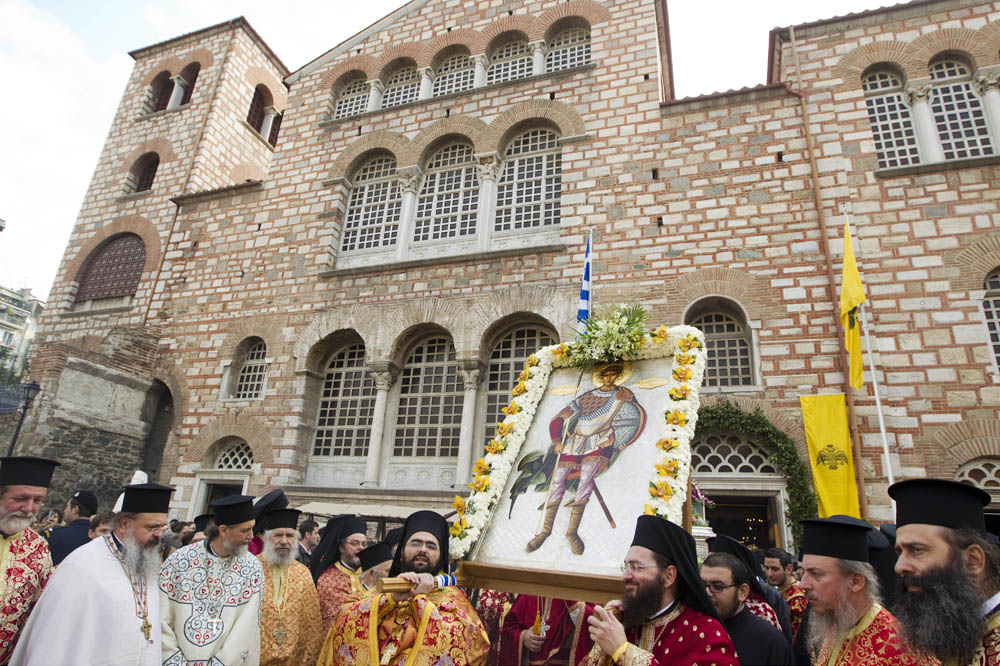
[595, 376]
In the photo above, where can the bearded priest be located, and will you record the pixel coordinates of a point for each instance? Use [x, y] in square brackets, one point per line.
[106, 591]
[427, 625]
[291, 630]
[666, 615]
[210, 593]
[335, 565]
[25, 561]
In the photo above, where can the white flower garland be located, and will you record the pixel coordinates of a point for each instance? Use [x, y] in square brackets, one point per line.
[669, 481]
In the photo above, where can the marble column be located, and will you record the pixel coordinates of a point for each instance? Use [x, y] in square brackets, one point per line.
[270, 113]
[409, 183]
[426, 83]
[177, 94]
[988, 87]
[489, 171]
[375, 90]
[923, 122]
[373, 464]
[482, 65]
[538, 52]
[468, 441]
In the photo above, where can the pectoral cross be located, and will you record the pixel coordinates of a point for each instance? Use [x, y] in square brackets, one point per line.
[279, 633]
[145, 628]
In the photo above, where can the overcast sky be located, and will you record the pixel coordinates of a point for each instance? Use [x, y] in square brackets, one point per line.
[64, 65]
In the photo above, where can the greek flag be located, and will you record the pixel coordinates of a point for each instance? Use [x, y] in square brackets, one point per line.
[583, 311]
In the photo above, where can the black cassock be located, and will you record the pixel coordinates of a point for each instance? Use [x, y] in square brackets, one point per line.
[756, 641]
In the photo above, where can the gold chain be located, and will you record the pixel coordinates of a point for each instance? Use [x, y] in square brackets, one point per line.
[138, 590]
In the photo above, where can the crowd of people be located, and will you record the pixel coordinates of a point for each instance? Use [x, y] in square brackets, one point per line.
[251, 584]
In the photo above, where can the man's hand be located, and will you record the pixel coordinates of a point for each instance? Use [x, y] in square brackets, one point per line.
[530, 640]
[605, 630]
[422, 584]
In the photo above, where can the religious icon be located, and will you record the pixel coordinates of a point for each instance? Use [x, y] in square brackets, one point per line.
[587, 436]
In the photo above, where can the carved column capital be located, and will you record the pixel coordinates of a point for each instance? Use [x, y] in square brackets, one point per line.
[915, 94]
[383, 380]
[471, 378]
[983, 83]
[489, 166]
[376, 84]
[539, 47]
[409, 179]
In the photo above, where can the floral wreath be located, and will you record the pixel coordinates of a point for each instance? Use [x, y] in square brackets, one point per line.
[617, 336]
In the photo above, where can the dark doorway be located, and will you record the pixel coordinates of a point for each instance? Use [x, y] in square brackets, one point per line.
[749, 520]
[217, 491]
[159, 430]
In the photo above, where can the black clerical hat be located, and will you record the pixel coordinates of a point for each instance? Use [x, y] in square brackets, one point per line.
[423, 521]
[726, 544]
[233, 510]
[146, 498]
[26, 471]
[674, 543]
[201, 522]
[280, 519]
[939, 502]
[374, 555]
[394, 536]
[272, 501]
[842, 538]
[337, 529]
[86, 499]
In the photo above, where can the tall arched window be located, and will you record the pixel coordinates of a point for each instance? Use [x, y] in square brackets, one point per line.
[529, 187]
[261, 100]
[991, 310]
[506, 362]
[353, 99]
[113, 270]
[958, 112]
[569, 48]
[429, 413]
[162, 87]
[252, 371]
[346, 406]
[190, 75]
[454, 74]
[372, 218]
[892, 125]
[509, 62]
[142, 174]
[401, 87]
[449, 195]
[728, 343]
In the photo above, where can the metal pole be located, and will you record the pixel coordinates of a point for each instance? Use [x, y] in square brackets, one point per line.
[878, 400]
[17, 430]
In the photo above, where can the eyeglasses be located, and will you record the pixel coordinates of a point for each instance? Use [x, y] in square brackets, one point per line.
[417, 543]
[717, 587]
[632, 567]
[357, 544]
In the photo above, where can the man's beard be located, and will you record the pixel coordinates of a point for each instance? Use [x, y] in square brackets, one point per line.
[238, 549]
[941, 620]
[431, 566]
[12, 522]
[274, 558]
[142, 561]
[351, 561]
[639, 606]
[833, 625]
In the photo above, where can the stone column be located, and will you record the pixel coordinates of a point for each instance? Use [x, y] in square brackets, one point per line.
[383, 382]
[923, 122]
[177, 94]
[426, 83]
[489, 171]
[482, 64]
[409, 182]
[467, 437]
[538, 52]
[270, 113]
[148, 100]
[988, 87]
[375, 90]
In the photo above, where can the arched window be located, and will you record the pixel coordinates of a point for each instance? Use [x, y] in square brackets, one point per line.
[506, 362]
[353, 99]
[991, 310]
[252, 370]
[958, 113]
[346, 406]
[982, 473]
[529, 187]
[142, 174]
[272, 136]
[429, 414]
[235, 455]
[401, 87]
[372, 218]
[113, 270]
[892, 125]
[190, 75]
[569, 48]
[727, 342]
[449, 194]
[509, 62]
[162, 87]
[261, 100]
[454, 74]
[732, 454]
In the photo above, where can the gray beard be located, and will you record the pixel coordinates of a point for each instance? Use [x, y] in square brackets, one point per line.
[833, 626]
[239, 550]
[12, 522]
[142, 564]
[274, 558]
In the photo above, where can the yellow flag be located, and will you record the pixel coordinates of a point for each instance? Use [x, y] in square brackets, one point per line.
[825, 420]
[852, 294]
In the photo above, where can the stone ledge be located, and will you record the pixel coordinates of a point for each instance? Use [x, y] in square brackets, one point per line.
[431, 261]
[933, 167]
[132, 196]
[85, 313]
[229, 190]
[257, 134]
[161, 113]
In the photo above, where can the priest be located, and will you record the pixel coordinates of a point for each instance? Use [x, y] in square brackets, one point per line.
[271, 501]
[847, 624]
[106, 592]
[779, 566]
[376, 560]
[210, 593]
[949, 572]
[666, 616]
[335, 564]
[426, 625]
[764, 601]
[290, 625]
[24, 556]
[558, 623]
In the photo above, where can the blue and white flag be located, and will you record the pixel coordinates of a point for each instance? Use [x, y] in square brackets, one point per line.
[583, 311]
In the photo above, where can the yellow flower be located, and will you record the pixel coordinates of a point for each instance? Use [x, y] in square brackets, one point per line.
[677, 418]
[680, 392]
[659, 335]
[682, 374]
[480, 484]
[510, 409]
[459, 505]
[648, 510]
[458, 527]
[523, 377]
[667, 444]
[668, 469]
[481, 467]
[519, 388]
[642, 341]
[531, 361]
[560, 351]
[684, 359]
[503, 429]
[495, 447]
[688, 342]
[660, 489]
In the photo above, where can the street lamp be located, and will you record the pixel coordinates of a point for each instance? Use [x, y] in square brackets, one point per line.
[28, 393]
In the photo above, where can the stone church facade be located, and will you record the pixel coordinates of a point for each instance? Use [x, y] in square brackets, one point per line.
[323, 279]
